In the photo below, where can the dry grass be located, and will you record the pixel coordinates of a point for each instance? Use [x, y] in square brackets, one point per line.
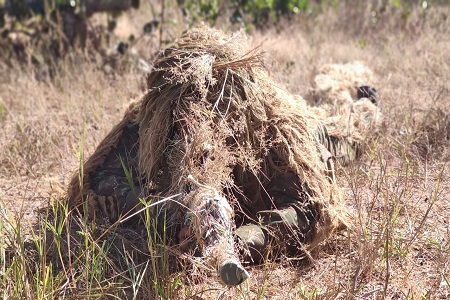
[399, 246]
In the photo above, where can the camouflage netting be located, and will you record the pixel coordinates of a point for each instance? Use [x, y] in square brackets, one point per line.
[213, 124]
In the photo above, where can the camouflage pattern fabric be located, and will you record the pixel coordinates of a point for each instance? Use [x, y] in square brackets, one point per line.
[117, 180]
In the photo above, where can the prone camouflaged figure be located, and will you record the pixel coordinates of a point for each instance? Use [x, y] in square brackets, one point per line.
[239, 167]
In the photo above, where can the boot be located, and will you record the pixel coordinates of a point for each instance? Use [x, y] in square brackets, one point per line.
[368, 92]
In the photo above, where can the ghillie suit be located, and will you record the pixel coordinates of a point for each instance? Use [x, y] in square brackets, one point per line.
[230, 148]
[336, 85]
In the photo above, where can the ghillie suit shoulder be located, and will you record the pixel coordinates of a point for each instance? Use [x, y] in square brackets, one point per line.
[80, 190]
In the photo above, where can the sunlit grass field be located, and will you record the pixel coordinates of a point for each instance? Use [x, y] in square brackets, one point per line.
[398, 246]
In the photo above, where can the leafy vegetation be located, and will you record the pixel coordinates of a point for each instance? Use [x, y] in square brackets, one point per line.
[265, 12]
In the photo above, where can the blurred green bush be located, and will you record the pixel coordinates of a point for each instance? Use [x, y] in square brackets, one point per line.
[262, 12]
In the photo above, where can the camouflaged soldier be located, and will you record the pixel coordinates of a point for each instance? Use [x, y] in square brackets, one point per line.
[277, 207]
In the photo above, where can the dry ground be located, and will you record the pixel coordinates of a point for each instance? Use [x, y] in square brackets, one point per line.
[399, 245]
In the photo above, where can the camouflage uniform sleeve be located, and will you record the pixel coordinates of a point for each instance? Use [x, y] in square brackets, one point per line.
[342, 149]
[342, 136]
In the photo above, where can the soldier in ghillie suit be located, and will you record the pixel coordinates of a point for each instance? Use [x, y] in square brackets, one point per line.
[245, 167]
